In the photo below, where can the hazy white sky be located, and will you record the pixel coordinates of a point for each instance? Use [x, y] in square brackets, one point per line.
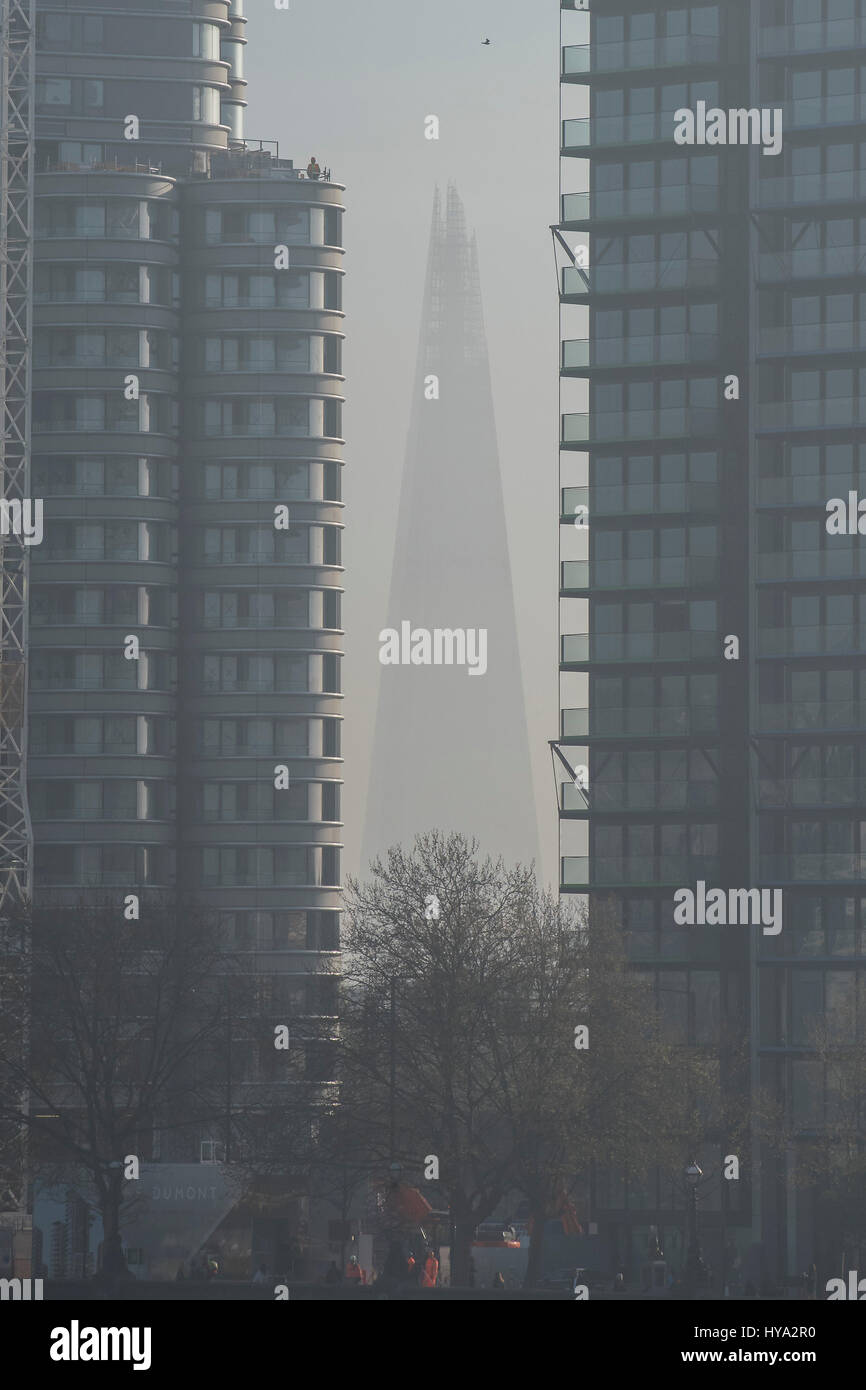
[352, 82]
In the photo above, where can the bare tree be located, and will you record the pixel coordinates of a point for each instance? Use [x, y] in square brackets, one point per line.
[586, 1070]
[429, 958]
[125, 1026]
[828, 1132]
[487, 1024]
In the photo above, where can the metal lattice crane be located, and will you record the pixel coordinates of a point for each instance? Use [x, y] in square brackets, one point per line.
[16, 313]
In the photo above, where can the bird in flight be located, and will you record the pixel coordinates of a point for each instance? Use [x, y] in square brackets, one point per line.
[484, 41]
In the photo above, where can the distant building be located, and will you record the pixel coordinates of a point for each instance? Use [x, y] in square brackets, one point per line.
[451, 750]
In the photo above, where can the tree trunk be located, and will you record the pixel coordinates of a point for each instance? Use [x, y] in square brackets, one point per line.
[461, 1255]
[113, 1262]
[535, 1261]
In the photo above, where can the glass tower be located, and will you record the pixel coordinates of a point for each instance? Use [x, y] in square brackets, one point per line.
[712, 636]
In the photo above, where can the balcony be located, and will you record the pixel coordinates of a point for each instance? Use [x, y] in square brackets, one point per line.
[810, 113]
[680, 422]
[837, 561]
[646, 350]
[792, 792]
[812, 716]
[602, 131]
[579, 648]
[677, 870]
[846, 336]
[796, 190]
[834, 412]
[660, 572]
[641, 277]
[662, 200]
[652, 721]
[642, 499]
[809, 639]
[812, 868]
[574, 723]
[815, 264]
[631, 54]
[628, 796]
[814, 36]
[806, 490]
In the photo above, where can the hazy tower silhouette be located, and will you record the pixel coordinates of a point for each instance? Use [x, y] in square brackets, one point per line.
[451, 749]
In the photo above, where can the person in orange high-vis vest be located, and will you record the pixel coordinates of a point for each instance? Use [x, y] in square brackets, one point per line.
[431, 1272]
[354, 1272]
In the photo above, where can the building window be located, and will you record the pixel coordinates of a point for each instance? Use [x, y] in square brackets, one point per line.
[53, 92]
[205, 41]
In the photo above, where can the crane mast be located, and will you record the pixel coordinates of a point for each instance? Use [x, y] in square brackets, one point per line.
[17, 117]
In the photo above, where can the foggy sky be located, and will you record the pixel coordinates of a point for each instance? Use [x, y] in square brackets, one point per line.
[352, 84]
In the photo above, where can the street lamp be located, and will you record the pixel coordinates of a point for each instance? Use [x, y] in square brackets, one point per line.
[695, 1268]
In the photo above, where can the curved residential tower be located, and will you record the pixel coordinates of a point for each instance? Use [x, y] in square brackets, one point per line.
[185, 705]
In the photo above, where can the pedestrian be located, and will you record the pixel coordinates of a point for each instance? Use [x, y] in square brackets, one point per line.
[431, 1271]
[313, 170]
[412, 1268]
[498, 1280]
[261, 1274]
[354, 1273]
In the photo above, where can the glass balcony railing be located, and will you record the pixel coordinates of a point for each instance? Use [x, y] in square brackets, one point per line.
[639, 646]
[812, 868]
[574, 574]
[652, 721]
[643, 796]
[812, 715]
[811, 638]
[808, 113]
[845, 186]
[806, 489]
[574, 723]
[574, 871]
[628, 54]
[812, 36]
[662, 200]
[673, 869]
[676, 423]
[617, 130]
[833, 412]
[812, 791]
[810, 263]
[675, 571]
[634, 276]
[814, 337]
[633, 499]
[646, 349]
[843, 558]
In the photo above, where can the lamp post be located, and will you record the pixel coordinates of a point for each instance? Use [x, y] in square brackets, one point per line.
[695, 1267]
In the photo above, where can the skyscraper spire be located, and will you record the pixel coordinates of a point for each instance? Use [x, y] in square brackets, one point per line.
[451, 749]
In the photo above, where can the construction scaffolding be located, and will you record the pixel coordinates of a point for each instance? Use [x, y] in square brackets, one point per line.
[16, 311]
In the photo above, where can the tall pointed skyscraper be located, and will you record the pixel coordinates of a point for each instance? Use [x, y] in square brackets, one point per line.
[451, 748]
